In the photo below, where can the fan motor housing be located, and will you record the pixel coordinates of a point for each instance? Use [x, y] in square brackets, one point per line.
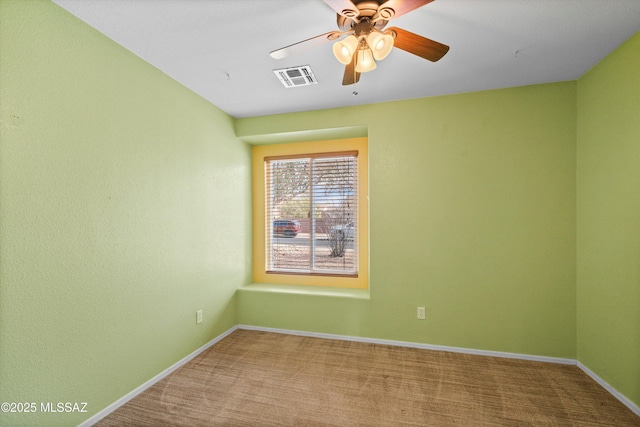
[367, 9]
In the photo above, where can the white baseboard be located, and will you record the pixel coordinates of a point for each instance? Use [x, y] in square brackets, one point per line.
[115, 405]
[629, 404]
[124, 399]
[416, 345]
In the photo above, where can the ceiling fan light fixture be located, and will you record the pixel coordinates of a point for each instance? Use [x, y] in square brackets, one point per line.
[362, 39]
[381, 44]
[364, 60]
[344, 49]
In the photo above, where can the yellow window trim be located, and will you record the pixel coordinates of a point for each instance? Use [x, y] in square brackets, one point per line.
[259, 153]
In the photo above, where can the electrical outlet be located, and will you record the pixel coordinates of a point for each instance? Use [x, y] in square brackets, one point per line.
[199, 316]
[421, 313]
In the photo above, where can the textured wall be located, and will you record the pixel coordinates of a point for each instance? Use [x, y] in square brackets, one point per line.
[609, 219]
[124, 208]
[472, 215]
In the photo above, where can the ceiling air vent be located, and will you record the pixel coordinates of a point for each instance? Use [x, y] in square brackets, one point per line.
[296, 76]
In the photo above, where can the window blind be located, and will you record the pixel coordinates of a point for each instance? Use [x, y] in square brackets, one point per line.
[311, 216]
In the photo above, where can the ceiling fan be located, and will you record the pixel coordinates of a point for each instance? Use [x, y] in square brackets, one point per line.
[364, 38]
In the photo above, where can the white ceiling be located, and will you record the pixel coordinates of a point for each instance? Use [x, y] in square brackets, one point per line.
[220, 48]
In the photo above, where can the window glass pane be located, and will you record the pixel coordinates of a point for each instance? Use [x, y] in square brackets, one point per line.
[311, 215]
[335, 214]
[288, 191]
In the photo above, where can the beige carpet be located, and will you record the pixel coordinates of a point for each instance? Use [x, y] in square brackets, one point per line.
[253, 378]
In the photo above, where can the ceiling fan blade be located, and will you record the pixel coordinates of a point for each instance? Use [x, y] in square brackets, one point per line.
[350, 74]
[305, 44]
[404, 6]
[418, 45]
[345, 8]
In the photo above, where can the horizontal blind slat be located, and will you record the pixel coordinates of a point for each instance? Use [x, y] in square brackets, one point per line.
[319, 191]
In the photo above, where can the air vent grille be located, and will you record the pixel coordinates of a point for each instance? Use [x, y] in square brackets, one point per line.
[296, 76]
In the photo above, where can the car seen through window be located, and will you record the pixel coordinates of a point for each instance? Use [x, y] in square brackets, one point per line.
[286, 228]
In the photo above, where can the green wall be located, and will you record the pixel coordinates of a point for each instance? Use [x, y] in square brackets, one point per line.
[472, 213]
[124, 208]
[608, 237]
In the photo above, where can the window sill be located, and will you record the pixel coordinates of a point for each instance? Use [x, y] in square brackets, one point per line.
[306, 290]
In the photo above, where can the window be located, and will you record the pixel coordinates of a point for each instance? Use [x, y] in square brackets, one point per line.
[311, 213]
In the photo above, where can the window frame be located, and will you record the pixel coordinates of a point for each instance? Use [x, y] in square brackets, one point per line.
[269, 236]
[305, 149]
